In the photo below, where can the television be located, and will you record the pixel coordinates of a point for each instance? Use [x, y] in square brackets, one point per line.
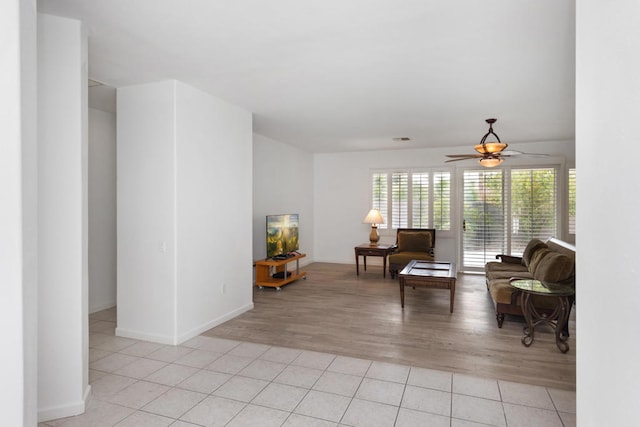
[282, 234]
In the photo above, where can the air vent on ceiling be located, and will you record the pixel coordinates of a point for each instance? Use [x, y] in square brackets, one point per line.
[402, 139]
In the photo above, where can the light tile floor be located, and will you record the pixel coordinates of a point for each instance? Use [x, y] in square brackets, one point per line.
[216, 382]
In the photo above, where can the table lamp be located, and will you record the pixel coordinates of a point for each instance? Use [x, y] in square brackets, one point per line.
[374, 217]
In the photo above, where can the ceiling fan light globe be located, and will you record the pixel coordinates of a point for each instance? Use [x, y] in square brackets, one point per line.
[490, 162]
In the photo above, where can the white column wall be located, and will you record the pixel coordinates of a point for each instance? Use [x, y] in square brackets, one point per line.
[62, 218]
[282, 183]
[213, 211]
[184, 212]
[18, 219]
[102, 210]
[146, 286]
[608, 208]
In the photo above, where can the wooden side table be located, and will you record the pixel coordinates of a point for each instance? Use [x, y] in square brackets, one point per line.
[367, 249]
[557, 320]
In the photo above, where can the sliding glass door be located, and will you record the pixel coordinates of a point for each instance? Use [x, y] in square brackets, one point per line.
[505, 208]
[483, 226]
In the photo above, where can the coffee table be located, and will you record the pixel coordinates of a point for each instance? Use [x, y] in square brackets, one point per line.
[557, 320]
[429, 274]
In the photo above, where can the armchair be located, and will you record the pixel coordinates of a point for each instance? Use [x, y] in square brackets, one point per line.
[411, 243]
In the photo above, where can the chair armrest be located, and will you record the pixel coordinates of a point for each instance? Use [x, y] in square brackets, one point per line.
[509, 259]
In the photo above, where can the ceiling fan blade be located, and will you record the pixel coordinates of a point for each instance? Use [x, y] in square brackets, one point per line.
[465, 156]
[511, 153]
[458, 159]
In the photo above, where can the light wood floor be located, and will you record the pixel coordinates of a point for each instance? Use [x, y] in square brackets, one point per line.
[337, 312]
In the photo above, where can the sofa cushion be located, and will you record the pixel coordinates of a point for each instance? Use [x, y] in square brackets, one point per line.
[403, 258]
[502, 292]
[554, 267]
[538, 256]
[504, 266]
[414, 241]
[532, 247]
[496, 274]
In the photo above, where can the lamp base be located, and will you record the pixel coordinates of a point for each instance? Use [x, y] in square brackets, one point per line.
[374, 237]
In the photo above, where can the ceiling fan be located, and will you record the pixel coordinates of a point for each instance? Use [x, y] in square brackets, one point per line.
[490, 154]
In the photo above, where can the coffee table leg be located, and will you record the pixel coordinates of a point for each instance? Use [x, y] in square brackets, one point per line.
[527, 338]
[453, 294]
[384, 267]
[401, 282]
[561, 339]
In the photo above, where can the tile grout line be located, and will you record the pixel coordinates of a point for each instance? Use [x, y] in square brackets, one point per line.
[272, 381]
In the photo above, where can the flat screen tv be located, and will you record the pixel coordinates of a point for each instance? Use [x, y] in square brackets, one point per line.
[282, 234]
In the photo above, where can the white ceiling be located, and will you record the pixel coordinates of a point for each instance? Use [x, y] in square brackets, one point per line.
[348, 75]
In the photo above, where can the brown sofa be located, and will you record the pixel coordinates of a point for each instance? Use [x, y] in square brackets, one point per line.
[412, 243]
[550, 261]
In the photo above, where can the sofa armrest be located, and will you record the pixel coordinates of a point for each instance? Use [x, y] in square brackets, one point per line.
[509, 259]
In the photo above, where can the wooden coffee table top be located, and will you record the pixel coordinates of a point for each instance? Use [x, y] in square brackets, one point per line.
[443, 269]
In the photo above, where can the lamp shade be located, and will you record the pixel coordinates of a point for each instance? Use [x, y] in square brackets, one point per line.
[374, 217]
[490, 147]
[490, 162]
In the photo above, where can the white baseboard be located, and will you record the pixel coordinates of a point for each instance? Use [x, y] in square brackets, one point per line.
[169, 340]
[63, 411]
[103, 306]
[137, 335]
[213, 323]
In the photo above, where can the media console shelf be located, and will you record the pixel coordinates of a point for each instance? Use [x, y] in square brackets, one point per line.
[266, 268]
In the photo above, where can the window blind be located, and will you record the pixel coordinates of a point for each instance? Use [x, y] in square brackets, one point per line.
[533, 206]
[420, 200]
[399, 199]
[572, 201]
[379, 196]
[413, 198]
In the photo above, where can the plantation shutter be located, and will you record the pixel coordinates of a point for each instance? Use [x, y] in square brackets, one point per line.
[380, 198]
[399, 199]
[533, 206]
[442, 200]
[420, 199]
[572, 201]
[483, 216]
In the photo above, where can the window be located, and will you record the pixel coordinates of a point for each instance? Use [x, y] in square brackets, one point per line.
[533, 206]
[504, 209]
[379, 199]
[413, 199]
[572, 201]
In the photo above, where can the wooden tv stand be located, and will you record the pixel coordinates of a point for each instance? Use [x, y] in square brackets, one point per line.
[265, 267]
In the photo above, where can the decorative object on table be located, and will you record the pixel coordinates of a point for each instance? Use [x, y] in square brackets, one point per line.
[492, 153]
[374, 217]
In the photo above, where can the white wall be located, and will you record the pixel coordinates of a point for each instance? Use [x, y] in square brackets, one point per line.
[184, 211]
[146, 212]
[282, 183]
[342, 193]
[213, 211]
[102, 210]
[18, 220]
[62, 218]
[608, 149]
